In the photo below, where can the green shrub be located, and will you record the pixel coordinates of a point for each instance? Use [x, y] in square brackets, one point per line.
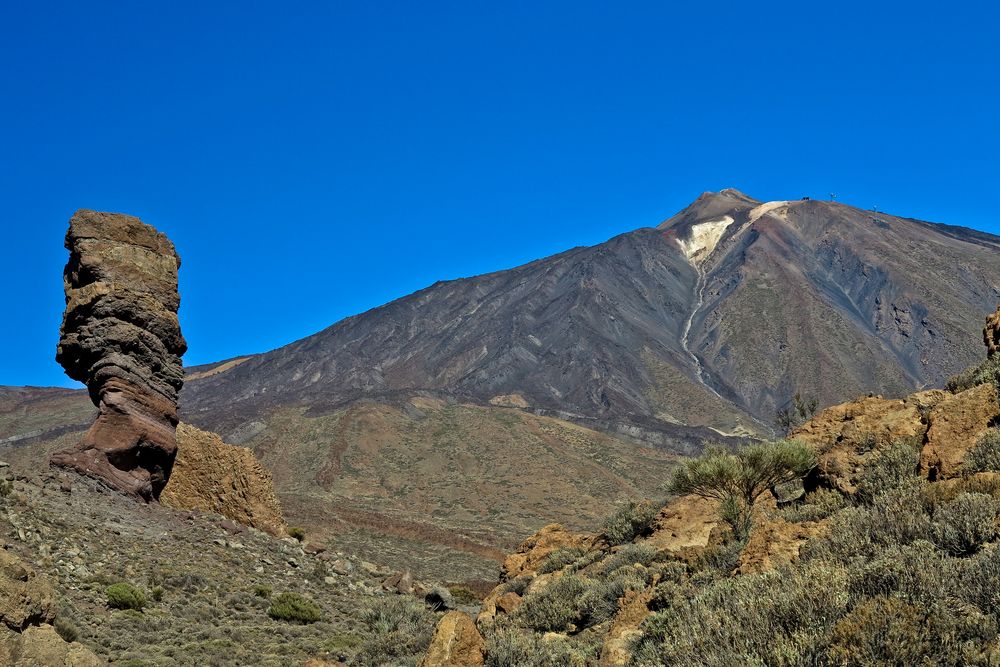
[774, 618]
[737, 479]
[297, 533]
[553, 608]
[890, 631]
[961, 526]
[509, 647]
[517, 585]
[262, 591]
[599, 603]
[157, 593]
[125, 596]
[560, 558]
[66, 629]
[986, 371]
[294, 608]
[629, 521]
[463, 595]
[985, 454]
[891, 467]
[398, 629]
[630, 554]
[893, 519]
[6, 488]
[815, 506]
[916, 572]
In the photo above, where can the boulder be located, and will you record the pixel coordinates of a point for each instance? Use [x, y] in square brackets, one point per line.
[213, 476]
[956, 422]
[120, 336]
[532, 552]
[456, 643]
[27, 609]
[25, 598]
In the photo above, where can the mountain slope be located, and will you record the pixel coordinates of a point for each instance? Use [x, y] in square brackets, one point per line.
[692, 323]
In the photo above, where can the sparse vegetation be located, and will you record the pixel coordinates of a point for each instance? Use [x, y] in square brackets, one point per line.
[982, 373]
[555, 607]
[398, 629]
[124, 595]
[985, 454]
[560, 558]
[797, 411]
[297, 533]
[294, 608]
[66, 629]
[737, 479]
[629, 521]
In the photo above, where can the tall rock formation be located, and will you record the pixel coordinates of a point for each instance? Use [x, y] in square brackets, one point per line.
[121, 337]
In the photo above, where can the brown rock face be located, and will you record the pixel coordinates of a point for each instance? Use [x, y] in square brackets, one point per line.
[212, 476]
[991, 333]
[532, 552]
[955, 425]
[121, 337]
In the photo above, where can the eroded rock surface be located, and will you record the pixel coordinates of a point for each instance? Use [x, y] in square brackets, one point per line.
[27, 609]
[121, 337]
[991, 333]
[456, 643]
[213, 476]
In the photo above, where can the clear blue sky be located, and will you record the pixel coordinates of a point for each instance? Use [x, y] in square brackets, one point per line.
[312, 160]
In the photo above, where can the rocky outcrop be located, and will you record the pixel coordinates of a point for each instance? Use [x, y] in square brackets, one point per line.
[845, 436]
[532, 552]
[213, 476]
[775, 542]
[684, 525]
[456, 643]
[991, 333]
[27, 609]
[121, 337]
[956, 423]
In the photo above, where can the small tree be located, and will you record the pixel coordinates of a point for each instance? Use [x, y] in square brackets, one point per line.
[797, 411]
[737, 479]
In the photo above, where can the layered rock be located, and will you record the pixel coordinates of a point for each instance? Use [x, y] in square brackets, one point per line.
[213, 476]
[121, 337]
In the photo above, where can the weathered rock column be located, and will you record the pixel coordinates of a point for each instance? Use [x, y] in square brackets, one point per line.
[121, 337]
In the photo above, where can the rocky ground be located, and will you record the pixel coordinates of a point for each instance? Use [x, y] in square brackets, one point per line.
[209, 582]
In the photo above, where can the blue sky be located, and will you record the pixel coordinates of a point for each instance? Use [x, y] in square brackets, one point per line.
[315, 160]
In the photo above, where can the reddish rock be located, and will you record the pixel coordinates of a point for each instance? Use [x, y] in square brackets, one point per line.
[121, 337]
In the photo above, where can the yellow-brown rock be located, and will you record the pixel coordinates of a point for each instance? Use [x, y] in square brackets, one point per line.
[633, 608]
[956, 423]
[775, 542]
[844, 435]
[27, 607]
[456, 643]
[684, 524]
[41, 646]
[25, 598]
[991, 333]
[212, 476]
[533, 551]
